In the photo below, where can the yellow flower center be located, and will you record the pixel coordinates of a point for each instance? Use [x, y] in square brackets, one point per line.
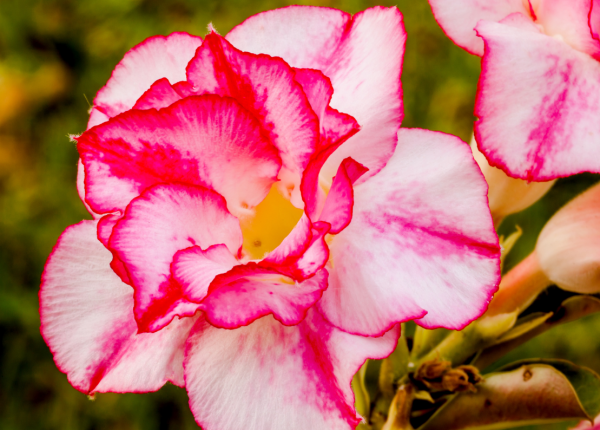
[273, 219]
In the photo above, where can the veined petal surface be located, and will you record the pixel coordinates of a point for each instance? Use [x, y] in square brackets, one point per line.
[458, 18]
[155, 58]
[361, 55]
[87, 321]
[267, 376]
[421, 243]
[265, 86]
[208, 140]
[162, 221]
[538, 103]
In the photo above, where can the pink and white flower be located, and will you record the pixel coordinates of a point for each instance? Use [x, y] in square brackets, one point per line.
[261, 225]
[538, 104]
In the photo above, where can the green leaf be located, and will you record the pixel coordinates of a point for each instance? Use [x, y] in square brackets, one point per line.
[584, 381]
[361, 394]
[524, 325]
[425, 340]
[524, 393]
[572, 309]
[394, 367]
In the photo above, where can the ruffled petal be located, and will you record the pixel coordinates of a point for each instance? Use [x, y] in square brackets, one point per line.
[87, 322]
[538, 104]
[337, 210]
[336, 128]
[362, 56]
[421, 242]
[155, 58]
[202, 140]
[249, 292]
[81, 188]
[160, 95]
[162, 221]
[106, 224]
[458, 18]
[568, 20]
[194, 268]
[288, 377]
[266, 87]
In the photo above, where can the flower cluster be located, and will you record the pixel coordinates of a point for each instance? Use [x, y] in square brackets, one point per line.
[261, 222]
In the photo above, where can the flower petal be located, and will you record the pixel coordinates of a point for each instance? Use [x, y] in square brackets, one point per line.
[538, 104]
[266, 87]
[202, 140]
[88, 324]
[338, 206]
[336, 128]
[155, 58]
[249, 292]
[160, 95]
[459, 18]
[362, 56]
[162, 221]
[570, 21]
[194, 268]
[288, 377]
[421, 241]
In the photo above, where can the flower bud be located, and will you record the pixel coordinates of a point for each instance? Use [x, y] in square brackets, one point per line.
[508, 195]
[568, 247]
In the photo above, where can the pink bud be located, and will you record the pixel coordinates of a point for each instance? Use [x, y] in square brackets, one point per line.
[568, 247]
[508, 195]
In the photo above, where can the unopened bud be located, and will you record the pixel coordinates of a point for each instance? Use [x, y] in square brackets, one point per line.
[568, 247]
[508, 195]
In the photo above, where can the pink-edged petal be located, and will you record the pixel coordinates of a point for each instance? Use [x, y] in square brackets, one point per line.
[81, 188]
[318, 90]
[295, 378]
[294, 244]
[594, 19]
[337, 128]
[194, 268]
[266, 87]
[303, 252]
[421, 242]
[365, 74]
[338, 206]
[363, 58]
[160, 95]
[249, 292]
[304, 36]
[106, 224]
[162, 221]
[568, 20]
[538, 104]
[87, 321]
[458, 18]
[155, 58]
[201, 140]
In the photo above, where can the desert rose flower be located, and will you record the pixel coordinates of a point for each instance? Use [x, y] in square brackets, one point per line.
[507, 195]
[538, 104]
[260, 224]
[567, 253]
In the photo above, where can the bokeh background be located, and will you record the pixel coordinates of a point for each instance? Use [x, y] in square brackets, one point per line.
[54, 56]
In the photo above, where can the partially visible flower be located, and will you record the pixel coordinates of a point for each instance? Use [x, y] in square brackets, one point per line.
[568, 247]
[538, 104]
[508, 195]
[262, 225]
[586, 425]
[567, 253]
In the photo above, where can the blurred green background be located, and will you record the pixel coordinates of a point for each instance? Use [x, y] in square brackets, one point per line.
[54, 56]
